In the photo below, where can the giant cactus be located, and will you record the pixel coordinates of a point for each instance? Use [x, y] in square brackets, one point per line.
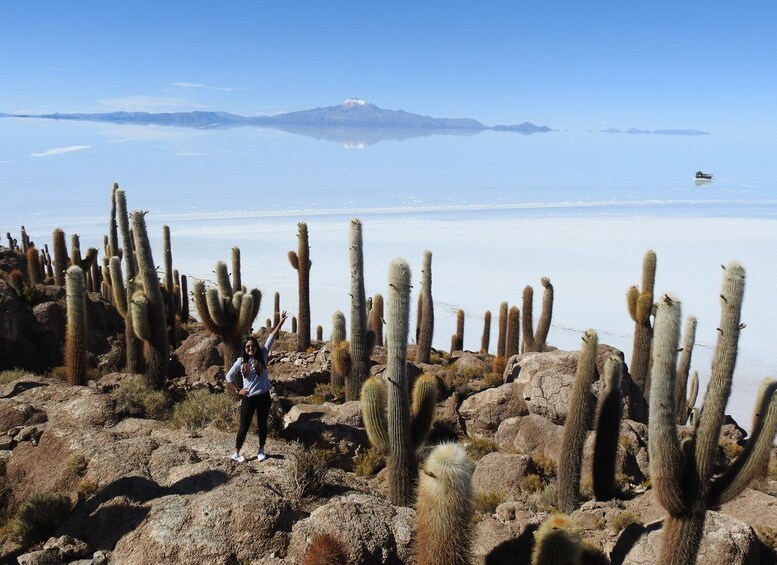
[682, 472]
[640, 305]
[147, 307]
[169, 287]
[301, 263]
[76, 331]
[444, 508]
[362, 341]
[536, 340]
[501, 338]
[486, 337]
[683, 370]
[512, 340]
[387, 413]
[226, 314]
[578, 422]
[608, 420]
[426, 331]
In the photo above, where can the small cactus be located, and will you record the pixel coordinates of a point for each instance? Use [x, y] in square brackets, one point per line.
[326, 549]
[557, 542]
[486, 338]
[512, 341]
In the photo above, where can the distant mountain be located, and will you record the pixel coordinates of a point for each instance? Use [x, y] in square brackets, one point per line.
[355, 122]
[657, 131]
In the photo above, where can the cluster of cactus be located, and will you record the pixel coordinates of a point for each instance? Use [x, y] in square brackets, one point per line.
[227, 310]
[580, 412]
[640, 305]
[426, 311]
[392, 426]
[301, 262]
[683, 472]
[536, 340]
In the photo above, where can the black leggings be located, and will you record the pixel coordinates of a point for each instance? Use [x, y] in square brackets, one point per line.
[248, 405]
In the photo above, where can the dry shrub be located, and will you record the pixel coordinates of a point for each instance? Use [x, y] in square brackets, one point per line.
[477, 448]
[499, 364]
[767, 535]
[492, 379]
[730, 450]
[77, 464]
[13, 374]
[624, 520]
[39, 517]
[134, 398]
[326, 549]
[773, 468]
[436, 359]
[308, 469]
[486, 502]
[202, 409]
[470, 373]
[87, 489]
[531, 483]
[443, 431]
[545, 466]
[368, 462]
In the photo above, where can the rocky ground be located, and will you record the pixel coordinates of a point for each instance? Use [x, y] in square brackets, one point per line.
[143, 485]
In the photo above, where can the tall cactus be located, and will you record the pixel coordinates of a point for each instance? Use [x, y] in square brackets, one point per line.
[444, 508]
[76, 331]
[608, 420]
[376, 318]
[386, 408]
[458, 340]
[225, 313]
[426, 332]
[169, 287]
[682, 473]
[536, 340]
[338, 327]
[578, 422]
[512, 341]
[360, 350]
[486, 337]
[148, 307]
[112, 248]
[640, 305]
[301, 262]
[501, 340]
[60, 256]
[276, 316]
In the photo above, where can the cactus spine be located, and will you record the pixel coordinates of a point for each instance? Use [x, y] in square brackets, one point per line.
[75, 336]
[426, 332]
[512, 340]
[683, 369]
[444, 508]
[682, 473]
[640, 304]
[301, 262]
[360, 356]
[148, 297]
[577, 425]
[501, 340]
[486, 338]
[557, 542]
[608, 420]
[376, 319]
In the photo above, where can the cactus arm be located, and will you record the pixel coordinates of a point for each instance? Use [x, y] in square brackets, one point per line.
[543, 325]
[527, 325]
[666, 459]
[117, 282]
[376, 319]
[139, 312]
[256, 296]
[245, 315]
[60, 256]
[426, 309]
[501, 339]
[424, 402]
[373, 404]
[577, 425]
[338, 327]
[128, 256]
[631, 301]
[683, 370]
[199, 295]
[692, 395]
[755, 457]
[113, 228]
[216, 308]
[608, 421]
[237, 283]
[294, 260]
[723, 362]
[222, 280]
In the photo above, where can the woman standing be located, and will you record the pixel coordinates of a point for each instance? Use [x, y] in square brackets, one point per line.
[255, 394]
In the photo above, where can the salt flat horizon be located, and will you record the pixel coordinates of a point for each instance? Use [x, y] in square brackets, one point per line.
[480, 260]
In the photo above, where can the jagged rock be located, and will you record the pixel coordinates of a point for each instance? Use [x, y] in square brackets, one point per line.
[68, 548]
[198, 352]
[482, 412]
[14, 413]
[501, 473]
[726, 540]
[298, 384]
[466, 362]
[536, 434]
[375, 531]
[331, 423]
[40, 557]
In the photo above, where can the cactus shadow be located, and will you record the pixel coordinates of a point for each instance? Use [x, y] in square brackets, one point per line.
[629, 538]
[516, 550]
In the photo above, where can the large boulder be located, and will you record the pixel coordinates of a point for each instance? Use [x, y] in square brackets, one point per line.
[483, 412]
[374, 531]
[501, 472]
[334, 424]
[537, 435]
[198, 352]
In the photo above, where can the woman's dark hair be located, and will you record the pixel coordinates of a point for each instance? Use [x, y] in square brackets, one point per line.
[258, 354]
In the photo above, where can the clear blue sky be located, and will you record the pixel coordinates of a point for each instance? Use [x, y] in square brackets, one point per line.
[576, 65]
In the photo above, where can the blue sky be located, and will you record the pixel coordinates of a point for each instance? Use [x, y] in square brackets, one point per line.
[583, 65]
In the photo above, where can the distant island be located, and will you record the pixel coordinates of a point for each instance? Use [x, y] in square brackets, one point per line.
[355, 122]
[657, 131]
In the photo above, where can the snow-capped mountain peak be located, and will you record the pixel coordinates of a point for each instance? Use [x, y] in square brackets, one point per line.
[354, 102]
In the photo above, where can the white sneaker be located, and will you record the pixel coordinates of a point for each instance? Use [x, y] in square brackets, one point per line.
[237, 457]
[261, 455]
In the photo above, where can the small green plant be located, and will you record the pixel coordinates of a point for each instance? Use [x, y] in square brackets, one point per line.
[486, 502]
[133, 398]
[624, 520]
[308, 469]
[77, 464]
[39, 517]
[202, 409]
[368, 462]
[477, 448]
